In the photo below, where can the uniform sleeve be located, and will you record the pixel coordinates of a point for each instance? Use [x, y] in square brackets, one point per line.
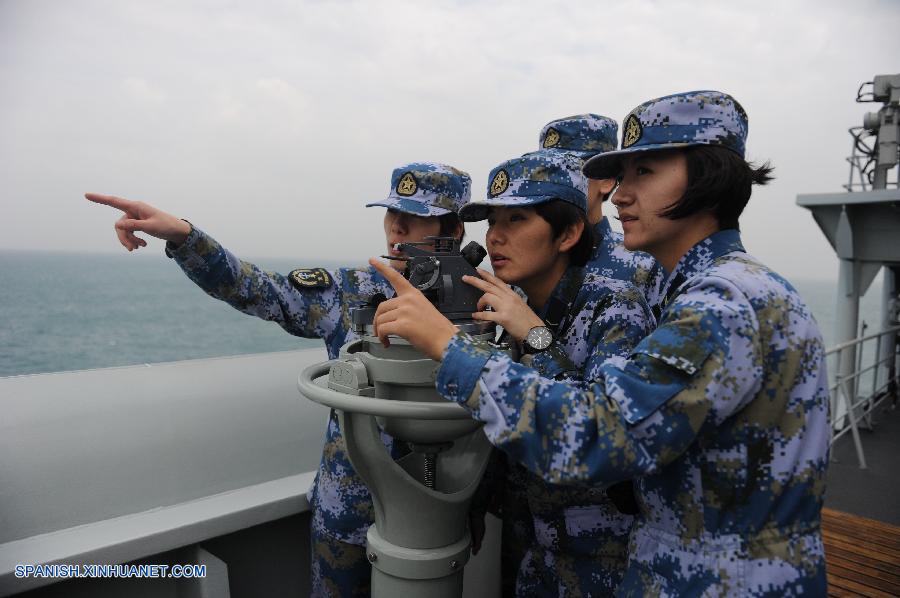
[639, 413]
[310, 313]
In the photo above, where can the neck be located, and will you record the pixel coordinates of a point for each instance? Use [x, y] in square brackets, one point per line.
[595, 211]
[539, 287]
[671, 253]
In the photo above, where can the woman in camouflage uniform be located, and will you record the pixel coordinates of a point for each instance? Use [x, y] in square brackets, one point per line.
[539, 239]
[721, 413]
[315, 303]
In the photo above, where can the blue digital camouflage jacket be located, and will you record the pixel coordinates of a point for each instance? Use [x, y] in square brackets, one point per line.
[611, 259]
[341, 502]
[721, 414]
[577, 539]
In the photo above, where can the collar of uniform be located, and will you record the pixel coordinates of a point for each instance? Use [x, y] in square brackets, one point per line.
[700, 256]
[378, 278]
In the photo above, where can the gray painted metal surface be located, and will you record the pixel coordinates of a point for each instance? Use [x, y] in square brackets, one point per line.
[419, 544]
[110, 465]
[871, 230]
[864, 228]
[203, 461]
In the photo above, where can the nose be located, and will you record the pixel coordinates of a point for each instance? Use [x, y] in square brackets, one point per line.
[623, 195]
[400, 224]
[494, 236]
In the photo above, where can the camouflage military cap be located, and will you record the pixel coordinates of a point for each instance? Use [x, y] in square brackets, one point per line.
[670, 122]
[583, 135]
[531, 179]
[427, 189]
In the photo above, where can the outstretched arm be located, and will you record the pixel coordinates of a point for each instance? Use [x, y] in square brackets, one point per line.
[142, 217]
[311, 311]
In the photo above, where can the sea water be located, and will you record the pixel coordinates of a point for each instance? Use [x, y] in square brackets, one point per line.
[72, 311]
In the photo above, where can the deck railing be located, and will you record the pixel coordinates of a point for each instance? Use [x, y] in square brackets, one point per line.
[856, 396]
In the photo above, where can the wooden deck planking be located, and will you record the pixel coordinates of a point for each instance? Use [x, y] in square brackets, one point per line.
[862, 555]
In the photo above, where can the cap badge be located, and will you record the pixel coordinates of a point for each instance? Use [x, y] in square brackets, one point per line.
[551, 139]
[632, 131]
[500, 183]
[407, 185]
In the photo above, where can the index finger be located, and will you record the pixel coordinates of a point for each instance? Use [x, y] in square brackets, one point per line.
[110, 200]
[400, 284]
[492, 278]
[478, 283]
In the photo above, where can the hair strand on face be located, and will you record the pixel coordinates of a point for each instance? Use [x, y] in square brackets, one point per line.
[719, 181]
[561, 215]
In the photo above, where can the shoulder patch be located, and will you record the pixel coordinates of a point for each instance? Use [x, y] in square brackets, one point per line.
[310, 278]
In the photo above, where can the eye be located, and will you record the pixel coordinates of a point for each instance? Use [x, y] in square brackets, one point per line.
[641, 170]
[517, 216]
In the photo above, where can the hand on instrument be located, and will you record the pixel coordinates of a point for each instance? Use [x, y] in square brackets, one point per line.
[412, 316]
[139, 216]
[508, 308]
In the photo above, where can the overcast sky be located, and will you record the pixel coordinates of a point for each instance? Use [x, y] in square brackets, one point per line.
[271, 124]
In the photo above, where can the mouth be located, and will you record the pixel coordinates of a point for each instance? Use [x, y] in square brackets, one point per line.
[626, 218]
[394, 251]
[498, 260]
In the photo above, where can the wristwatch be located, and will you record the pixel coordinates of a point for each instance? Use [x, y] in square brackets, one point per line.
[538, 339]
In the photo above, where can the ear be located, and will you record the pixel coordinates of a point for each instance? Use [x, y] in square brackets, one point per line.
[570, 237]
[599, 188]
[606, 186]
[460, 230]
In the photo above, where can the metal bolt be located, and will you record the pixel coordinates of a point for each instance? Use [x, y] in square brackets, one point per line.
[372, 557]
[454, 565]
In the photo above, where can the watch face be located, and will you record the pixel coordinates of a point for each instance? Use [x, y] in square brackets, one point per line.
[539, 338]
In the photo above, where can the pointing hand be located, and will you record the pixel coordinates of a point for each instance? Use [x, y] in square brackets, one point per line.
[412, 316]
[139, 216]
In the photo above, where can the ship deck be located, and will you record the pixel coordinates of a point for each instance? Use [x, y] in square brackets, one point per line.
[870, 492]
[861, 519]
[863, 555]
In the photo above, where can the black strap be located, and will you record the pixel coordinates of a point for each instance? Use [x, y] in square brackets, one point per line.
[670, 295]
[559, 307]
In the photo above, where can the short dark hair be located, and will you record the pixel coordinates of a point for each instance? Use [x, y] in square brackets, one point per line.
[449, 222]
[561, 215]
[719, 181]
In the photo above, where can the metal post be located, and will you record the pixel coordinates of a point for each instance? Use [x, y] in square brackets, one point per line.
[837, 391]
[890, 294]
[854, 429]
[857, 380]
[847, 311]
[874, 394]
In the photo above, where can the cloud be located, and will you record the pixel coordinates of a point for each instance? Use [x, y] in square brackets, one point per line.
[271, 124]
[140, 90]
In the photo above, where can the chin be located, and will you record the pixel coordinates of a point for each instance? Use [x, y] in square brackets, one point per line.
[506, 279]
[632, 244]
